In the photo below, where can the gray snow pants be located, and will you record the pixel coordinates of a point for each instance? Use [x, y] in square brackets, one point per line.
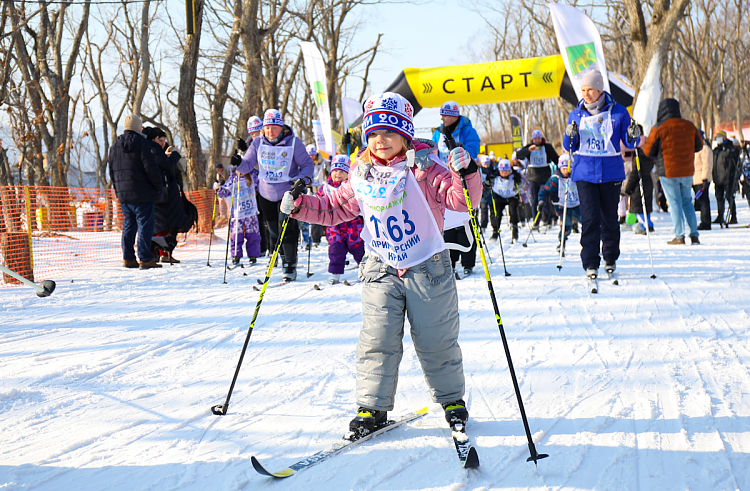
[426, 293]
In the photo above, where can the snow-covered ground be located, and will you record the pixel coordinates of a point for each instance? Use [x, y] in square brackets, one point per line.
[108, 383]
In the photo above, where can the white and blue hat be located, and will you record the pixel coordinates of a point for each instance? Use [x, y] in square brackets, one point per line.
[341, 162]
[254, 124]
[450, 108]
[272, 117]
[388, 111]
[563, 161]
[311, 150]
[504, 165]
[537, 134]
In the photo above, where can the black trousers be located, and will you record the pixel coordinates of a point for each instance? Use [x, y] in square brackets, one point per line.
[271, 211]
[599, 223]
[500, 204]
[703, 204]
[458, 236]
[723, 193]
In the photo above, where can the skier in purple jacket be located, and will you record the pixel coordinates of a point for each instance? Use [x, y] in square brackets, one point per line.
[281, 158]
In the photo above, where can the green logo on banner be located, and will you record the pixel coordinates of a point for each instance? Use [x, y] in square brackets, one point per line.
[320, 93]
[581, 57]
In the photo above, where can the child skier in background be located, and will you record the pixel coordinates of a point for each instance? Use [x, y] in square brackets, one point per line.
[247, 230]
[344, 237]
[555, 189]
[506, 185]
[407, 271]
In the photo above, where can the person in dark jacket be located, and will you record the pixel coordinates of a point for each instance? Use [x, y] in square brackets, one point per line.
[596, 129]
[169, 214]
[540, 155]
[138, 185]
[631, 187]
[506, 183]
[725, 174]
[673, 142]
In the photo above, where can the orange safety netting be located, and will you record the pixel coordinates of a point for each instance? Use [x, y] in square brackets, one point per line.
[48, 231]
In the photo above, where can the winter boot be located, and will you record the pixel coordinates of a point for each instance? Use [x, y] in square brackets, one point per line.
[677, 241]
[149, 264]
[456, 413]
[129, 264]
[366, 422]
[694, 240]
[334, 279]
[168, 258]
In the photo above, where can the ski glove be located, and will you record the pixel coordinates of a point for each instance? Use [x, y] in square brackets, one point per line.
[217, 186]
[459, 159]
[241, 145]
[287, 203]
[572, 130]
[634, 131]
[346, 140]
[540, 206]
[236, 160]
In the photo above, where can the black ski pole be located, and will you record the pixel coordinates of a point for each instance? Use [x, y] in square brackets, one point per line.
[645, 211]
[500, 239]
[532, 448]
[229, 231]
[531, 228]
[485, 245]
[211, 238]
[309, 247]
[221, 409]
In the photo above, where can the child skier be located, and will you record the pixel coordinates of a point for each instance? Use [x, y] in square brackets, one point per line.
[246, 230]
[402, 197]
[505, 191]
[555, 189]
[344, 237]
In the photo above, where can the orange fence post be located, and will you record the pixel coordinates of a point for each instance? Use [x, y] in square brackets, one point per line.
[29, 227]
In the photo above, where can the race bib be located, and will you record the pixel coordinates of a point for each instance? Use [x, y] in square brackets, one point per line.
[595, 133]
[573, 199]
[504, 187]
[399, 226]
[538, 158]
[247, 205]
[274, 162]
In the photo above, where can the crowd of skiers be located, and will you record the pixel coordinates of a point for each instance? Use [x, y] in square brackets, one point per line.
[399, 207]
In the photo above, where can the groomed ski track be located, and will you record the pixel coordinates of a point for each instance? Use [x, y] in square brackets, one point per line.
[107, 384]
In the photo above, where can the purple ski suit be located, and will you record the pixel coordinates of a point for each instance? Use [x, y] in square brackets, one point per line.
[248, 230]
[342, 238]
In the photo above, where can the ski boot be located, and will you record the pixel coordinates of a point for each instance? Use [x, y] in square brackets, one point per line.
[515, 234]
[335, 278]
[253, 260]
[365, 422]
[235, 260]
[610, 267]
[456, 414]
[592, 273]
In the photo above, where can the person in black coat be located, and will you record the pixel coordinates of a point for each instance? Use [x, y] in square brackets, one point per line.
[540, 155]
[138, 185]
[631, 188]
[725, 177]
[169, 217]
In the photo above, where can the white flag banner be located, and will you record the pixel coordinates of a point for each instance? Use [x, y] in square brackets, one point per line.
[647, 104]
[351, 109]
[579, 43]
[316, 74]
[320, 139]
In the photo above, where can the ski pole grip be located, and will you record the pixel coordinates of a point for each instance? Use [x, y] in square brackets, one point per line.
[299, 187]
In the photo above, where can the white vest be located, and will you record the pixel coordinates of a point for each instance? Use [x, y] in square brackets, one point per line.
[398, 224]
[573, 199]
[595, 133]
[538, 158]
[504, 186]
[274, 162]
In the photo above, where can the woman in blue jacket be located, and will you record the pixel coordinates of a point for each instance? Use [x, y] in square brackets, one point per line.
[596, 127]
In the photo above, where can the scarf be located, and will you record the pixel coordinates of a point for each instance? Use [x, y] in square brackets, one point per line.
[596, 107]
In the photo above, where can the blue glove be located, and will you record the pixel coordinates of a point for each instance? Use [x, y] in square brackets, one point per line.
[287, 203]
[459, 159]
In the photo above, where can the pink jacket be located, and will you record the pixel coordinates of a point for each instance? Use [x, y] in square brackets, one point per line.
[441, 188]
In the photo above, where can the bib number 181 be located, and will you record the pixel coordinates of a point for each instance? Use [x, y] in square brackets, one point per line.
[393, 228]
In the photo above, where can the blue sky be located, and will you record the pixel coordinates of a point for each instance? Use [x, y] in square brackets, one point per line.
[417, 36]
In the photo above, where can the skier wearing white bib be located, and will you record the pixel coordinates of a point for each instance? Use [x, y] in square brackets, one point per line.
[281, 158]
[402, 191]
[594, 132]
